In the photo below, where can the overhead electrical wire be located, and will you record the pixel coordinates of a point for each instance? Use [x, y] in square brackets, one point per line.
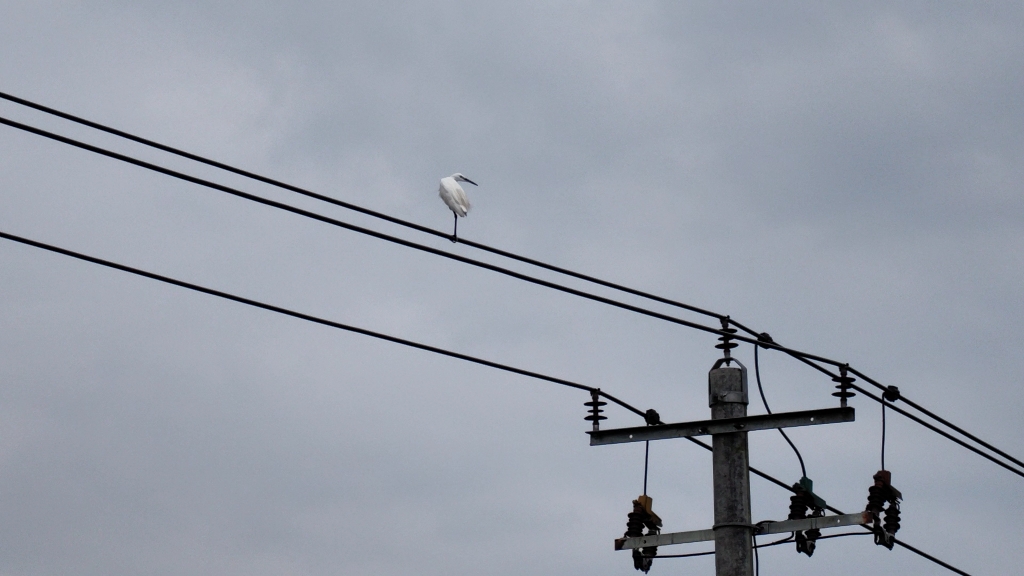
[937, 418]
[940, 432]
[689, 555]
[317, 320]
[362, 230]
[916, 419]
[407, 243]
[760, 389]
[710, 552]
[757, 339]
[757, 560]
[402, 341]
[883, 432]
[360, 209]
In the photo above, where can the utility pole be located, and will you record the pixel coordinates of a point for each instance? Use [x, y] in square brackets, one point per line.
[733, 531]
[727, 391]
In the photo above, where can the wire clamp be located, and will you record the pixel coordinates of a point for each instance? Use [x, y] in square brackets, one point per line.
[652, 417]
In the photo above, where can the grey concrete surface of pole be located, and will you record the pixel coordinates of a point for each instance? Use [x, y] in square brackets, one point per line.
[727, 390]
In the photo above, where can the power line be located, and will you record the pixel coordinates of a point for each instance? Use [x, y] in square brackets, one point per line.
[409, 244]
[943, 421]
[317, 320]
[939, 431]
[760, 389]
[883, 432]
[690, 555]
[710, 552]
[759, 339]
[362, 230]
[929, 557]
[916, 419]
[361, 209]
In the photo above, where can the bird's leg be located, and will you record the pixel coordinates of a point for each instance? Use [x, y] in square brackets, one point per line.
[455, 234]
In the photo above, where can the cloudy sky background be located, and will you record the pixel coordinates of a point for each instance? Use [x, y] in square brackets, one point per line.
[847, 178]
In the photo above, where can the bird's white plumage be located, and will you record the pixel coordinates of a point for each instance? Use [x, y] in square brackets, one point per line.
[454, 196]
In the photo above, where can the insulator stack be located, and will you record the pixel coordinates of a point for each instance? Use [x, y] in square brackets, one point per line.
[799, 502]
[725, 343]
[594, 407]
[879, 494]
[892, 518]
[635, 521]
[843, 382]
[876, 500]
[797, 506]
[643, 517]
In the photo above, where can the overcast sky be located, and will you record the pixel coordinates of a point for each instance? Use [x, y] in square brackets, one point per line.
[846, 177]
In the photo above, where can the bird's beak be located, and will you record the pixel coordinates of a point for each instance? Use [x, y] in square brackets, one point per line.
[464, 179]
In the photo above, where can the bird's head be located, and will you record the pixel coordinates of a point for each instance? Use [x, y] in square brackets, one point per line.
[460, 178]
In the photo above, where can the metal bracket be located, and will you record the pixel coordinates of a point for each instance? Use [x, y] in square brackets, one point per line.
[762, 528]
[721, 426]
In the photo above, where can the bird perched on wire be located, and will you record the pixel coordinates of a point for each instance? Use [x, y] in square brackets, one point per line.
[455, 198]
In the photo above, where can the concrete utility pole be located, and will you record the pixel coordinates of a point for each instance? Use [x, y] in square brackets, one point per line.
[727, 391]
[732, 532]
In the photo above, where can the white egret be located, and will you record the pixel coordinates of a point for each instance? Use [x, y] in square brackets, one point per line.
[455, 198]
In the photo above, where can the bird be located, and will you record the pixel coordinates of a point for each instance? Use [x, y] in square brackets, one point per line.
[455, 198]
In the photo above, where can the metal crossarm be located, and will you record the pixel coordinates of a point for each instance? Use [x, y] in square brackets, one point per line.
[821, 522]
[721, 426]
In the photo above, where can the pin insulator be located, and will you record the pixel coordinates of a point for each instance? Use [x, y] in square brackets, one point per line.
[892, 518]
[876, 500]
[843, 382]
[725, 343]
[797, 506]
[635, 521]
[594, 407]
